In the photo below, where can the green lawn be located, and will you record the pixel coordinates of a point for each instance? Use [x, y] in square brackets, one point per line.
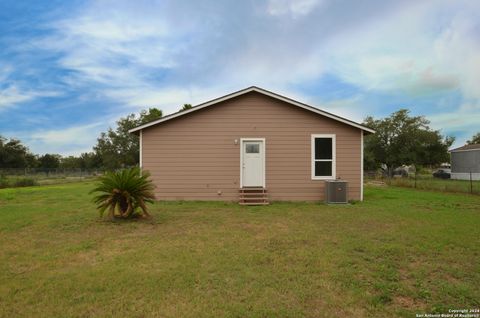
[399, 253]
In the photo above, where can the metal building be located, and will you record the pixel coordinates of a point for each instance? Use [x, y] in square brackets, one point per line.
[465, 162]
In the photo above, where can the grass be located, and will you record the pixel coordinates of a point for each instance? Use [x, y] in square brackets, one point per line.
[13, 177]
[398, 253]
[16, 182]
[64, 179]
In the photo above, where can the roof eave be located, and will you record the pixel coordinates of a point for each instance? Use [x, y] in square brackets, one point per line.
[464, 150]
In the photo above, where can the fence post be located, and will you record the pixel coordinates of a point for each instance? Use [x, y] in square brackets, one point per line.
[471, 183]
[415, 177]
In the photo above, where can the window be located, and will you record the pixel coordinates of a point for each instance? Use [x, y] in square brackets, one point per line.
[252, 148]
[323, 157]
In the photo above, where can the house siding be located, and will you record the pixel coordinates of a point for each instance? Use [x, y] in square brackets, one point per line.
[466, 161]
[465, 165]
[194, 157]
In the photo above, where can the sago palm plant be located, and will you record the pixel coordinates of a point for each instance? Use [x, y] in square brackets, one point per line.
[123, 193]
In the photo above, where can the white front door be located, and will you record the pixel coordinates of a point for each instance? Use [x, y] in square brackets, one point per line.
[253, 170]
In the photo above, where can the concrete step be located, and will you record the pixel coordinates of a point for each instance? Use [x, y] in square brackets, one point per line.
[253, 195]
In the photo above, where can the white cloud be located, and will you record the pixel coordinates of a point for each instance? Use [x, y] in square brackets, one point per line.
[295, 8]
[457, 120]
[463, 121]
[67, 141]
[414, 51]
[75, 134]
[401, 48]
[5, 71]
[458, 50]
[128, 49]
[350, 107]
[169, 99]
[115, 44]
[12, 95]
[14, 92]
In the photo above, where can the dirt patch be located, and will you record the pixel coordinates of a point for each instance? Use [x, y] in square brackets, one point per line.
[408, 303]
[376, 183]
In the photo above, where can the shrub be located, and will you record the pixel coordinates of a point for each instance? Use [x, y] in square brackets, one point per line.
[3, 181]
[123, 193]
[24, 182]
[17, 182]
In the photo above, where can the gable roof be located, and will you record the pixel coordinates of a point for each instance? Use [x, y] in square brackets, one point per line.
[467, 148]
[258, 90]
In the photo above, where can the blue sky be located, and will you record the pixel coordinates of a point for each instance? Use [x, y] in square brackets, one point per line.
[69, 69]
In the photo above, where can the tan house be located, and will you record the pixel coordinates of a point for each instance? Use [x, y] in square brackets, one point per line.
[252, 143]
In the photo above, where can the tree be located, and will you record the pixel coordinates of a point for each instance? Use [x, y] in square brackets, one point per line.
[13, 154]
[71, 162]
[90, 160]
[475, 139]
[49, 161]
[185, 107]
[150, 115]
[31, 160]
[402, 139]
[118, 148]
[87, 160]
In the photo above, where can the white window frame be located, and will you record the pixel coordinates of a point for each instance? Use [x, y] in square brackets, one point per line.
[333, 160]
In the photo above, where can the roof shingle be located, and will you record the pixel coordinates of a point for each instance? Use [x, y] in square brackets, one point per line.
[467, 147]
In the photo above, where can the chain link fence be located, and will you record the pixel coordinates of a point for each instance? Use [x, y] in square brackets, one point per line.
[15, 177]
[424, 182]
[40, 173]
